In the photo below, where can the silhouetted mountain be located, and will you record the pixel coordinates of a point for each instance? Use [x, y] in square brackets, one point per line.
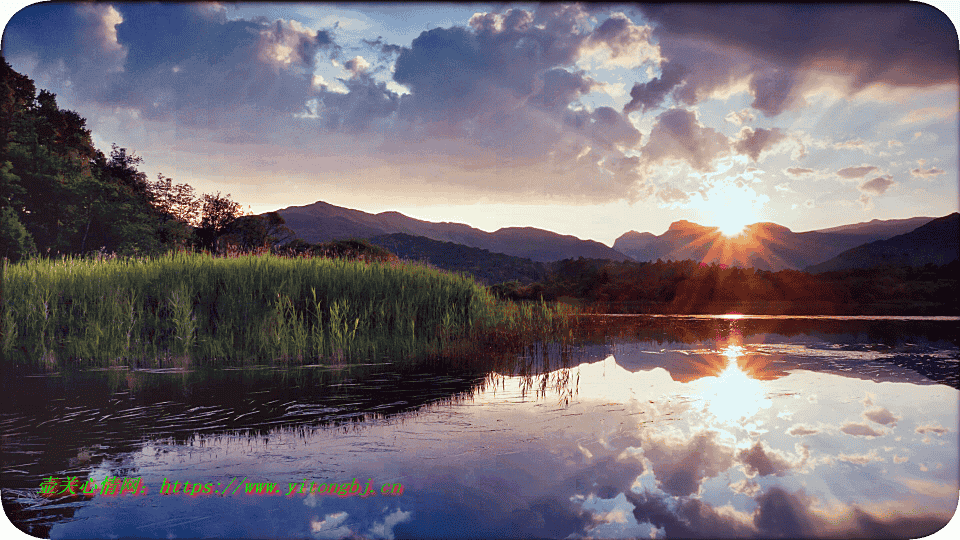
[891, 227]
[321, 222]
[937, 242]
[765, 246]
[487, 267]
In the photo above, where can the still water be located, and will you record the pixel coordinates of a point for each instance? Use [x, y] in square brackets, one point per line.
[656, 427]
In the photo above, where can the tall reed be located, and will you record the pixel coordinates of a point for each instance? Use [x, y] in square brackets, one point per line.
[196, 308]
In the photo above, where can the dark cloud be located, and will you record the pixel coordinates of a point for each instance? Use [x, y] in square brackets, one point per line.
[881, 415]
[385, 50]
[183, 61]
[774, 90]
[856, 172]
[752, 142]
[763, 460]
[797, 171]
[927, 173]
[800, 430]
[900, 44]
[682, 465]
[365, 102]
[678, 135]
[560, 88]
[877, 186]
[775, 46]
[650, 95]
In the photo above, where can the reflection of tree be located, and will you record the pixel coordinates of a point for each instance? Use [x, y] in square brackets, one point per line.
[690, 287]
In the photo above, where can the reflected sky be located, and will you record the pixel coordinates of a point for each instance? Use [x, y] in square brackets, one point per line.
[729, 437]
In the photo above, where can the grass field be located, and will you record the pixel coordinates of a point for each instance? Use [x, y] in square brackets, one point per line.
[181, 309]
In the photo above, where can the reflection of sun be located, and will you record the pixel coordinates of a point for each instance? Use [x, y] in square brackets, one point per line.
[732, 395]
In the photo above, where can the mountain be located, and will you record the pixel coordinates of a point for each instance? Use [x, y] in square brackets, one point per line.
[936, 242]
[485, 266]
[322, 222]
[766, 246]
[891, 227]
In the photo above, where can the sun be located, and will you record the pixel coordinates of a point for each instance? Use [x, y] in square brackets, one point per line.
[731, 225]
[731, 208]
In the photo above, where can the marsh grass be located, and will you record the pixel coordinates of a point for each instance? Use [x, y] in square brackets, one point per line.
[183, 309]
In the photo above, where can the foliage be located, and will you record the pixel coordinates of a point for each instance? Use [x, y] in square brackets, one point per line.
[183, 308]
[15, 242]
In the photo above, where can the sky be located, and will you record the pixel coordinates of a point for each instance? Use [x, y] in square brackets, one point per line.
[589, 120]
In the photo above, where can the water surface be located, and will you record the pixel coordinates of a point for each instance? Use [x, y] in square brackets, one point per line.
[660, 426]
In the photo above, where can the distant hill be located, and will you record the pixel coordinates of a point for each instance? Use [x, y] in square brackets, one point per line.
[487, 267]
[322, 222]
[891, 227]
[936, 242]
[766, 246]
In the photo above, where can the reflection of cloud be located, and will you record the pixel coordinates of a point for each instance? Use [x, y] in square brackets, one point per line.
[881, 415]
[860, 430]
[932, 428]
[856, 172]
[385, 529]
[681, 465]
[331, 526]
[860, 459]
[800, 430]
[763, 460]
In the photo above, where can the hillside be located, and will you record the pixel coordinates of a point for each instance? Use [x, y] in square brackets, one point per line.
[322, 222]
[937, 242]
[485, 266]
[766, 246]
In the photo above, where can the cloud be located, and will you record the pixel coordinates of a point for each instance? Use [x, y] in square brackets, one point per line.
[797, 171]
[356, 65]
[860, 430]
[752, 142]
[740, 117]
[365, 102]
[905, 45]
[649, 95]
[877, 186]
[627, 44]
[856, 172]
[181, 61]
[678, 135]
[928, 114]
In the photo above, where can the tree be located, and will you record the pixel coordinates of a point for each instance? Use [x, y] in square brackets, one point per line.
[218, 212]
[15, 242]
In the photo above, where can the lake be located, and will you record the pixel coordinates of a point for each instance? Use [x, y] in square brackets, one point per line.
[655, 426]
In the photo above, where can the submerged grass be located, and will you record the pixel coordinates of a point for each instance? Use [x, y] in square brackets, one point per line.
[182, 309]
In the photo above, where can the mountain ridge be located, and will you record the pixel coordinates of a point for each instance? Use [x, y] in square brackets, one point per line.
[321, 222]
[764, 245]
